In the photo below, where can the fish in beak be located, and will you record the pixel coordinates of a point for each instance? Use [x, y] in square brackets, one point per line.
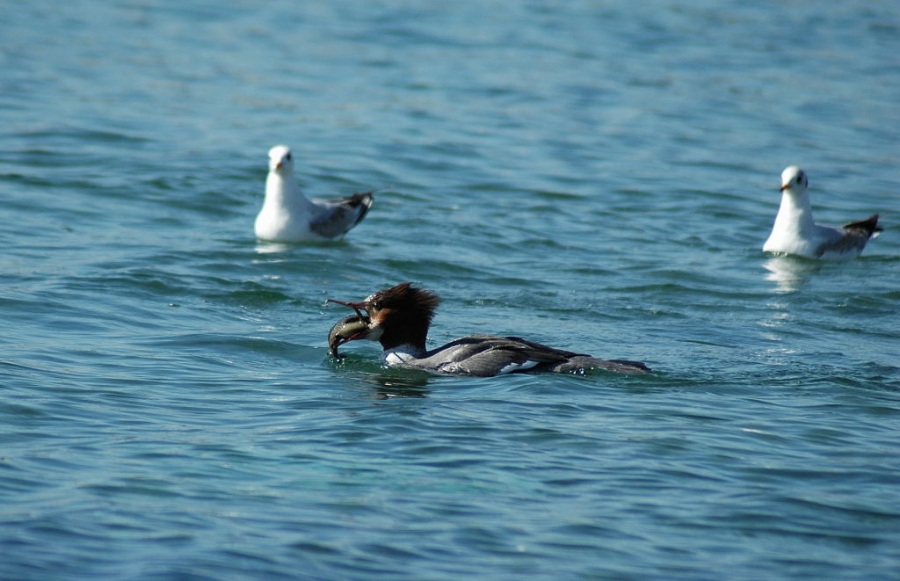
[346, 330]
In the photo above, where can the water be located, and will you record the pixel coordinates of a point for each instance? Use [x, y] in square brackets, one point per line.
[596, 176]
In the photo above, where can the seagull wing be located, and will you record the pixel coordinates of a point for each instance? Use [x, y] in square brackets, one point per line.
[869, 226]
[336, 217]
[850, 239]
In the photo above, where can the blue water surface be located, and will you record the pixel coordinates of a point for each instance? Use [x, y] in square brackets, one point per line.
[598, 176]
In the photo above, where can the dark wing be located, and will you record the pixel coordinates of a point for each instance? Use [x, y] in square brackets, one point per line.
[569, 362]
[853, 238]
[486, 355]
[869, 226]
[338, 216]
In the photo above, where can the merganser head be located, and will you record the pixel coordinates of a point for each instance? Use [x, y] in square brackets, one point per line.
[400, 315]
[793, 178]
[280, 159]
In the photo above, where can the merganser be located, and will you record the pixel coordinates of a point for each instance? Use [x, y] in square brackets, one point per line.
[399, 318]
[795, 232]
[289, 216]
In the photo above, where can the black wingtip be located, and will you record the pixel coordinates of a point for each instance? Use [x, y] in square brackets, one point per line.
[363, 201]
[869, 225]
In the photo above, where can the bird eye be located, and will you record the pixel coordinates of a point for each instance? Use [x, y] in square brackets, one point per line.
[288, 157]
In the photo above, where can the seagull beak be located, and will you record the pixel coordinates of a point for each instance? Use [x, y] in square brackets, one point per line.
[784, 187]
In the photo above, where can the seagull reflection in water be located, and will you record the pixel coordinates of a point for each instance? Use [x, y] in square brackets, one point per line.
[789, 273]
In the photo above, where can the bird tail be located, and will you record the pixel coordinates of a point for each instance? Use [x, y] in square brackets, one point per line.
[869, 226]
[363, 201]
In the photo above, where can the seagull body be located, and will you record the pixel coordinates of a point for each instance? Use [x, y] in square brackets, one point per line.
[289, 216]
[796, 233]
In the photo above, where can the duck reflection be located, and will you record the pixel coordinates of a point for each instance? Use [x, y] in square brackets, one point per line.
[390, 385]
[386, 382]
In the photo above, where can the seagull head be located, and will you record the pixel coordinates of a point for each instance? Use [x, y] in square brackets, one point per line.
[794, 179]
[280, 159]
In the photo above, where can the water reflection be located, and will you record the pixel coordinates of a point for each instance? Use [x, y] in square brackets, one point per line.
[272, 247]
[387, 382]
[393, 383]
[789, 273]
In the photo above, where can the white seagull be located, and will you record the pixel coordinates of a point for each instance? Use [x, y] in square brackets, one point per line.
[795, 232]
[289, 216]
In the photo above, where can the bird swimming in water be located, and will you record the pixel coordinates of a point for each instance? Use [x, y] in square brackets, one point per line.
[795, 232]
[289, 216]
[399, 318]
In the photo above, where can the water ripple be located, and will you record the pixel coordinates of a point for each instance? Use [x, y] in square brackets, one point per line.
[595, 177]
